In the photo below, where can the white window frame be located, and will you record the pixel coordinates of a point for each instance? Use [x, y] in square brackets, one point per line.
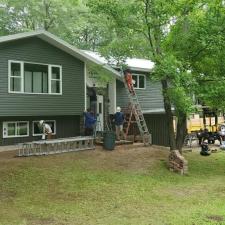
[10, 76]
[37, 121]
[50, 78]
[5, 125]
[22, 78]
[140, 75]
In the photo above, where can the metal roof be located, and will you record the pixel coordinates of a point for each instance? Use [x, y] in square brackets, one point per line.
[136, 64]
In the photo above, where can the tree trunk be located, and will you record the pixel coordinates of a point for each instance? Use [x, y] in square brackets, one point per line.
[169, 115]
[181, 131]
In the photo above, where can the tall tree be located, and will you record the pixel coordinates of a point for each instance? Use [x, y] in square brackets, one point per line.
[198, 40]
[69, 19]
[140, 27]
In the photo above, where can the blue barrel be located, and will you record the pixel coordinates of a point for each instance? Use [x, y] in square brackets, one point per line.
[109, 140]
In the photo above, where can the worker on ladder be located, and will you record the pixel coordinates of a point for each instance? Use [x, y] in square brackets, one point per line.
[136, 107]
[129, 80]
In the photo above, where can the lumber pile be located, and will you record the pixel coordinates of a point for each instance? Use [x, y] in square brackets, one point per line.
[177, 162]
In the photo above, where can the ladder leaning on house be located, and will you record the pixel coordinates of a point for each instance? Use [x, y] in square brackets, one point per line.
[138, 114]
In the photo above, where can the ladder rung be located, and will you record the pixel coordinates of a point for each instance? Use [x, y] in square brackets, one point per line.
[138, 115]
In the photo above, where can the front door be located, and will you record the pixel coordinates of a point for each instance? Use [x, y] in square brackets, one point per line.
[100, 113]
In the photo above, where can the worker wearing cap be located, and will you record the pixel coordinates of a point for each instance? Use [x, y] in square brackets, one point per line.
[119, 121]
[47, 130]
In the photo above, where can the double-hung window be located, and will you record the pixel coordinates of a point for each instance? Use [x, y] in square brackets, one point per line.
[140, 81]
[15, 76]
[55, 72]
[15, 129]
[34, 78]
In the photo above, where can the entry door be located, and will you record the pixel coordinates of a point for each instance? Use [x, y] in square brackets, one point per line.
[100, 113]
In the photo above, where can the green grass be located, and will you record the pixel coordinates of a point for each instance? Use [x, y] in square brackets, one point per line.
[130, 187]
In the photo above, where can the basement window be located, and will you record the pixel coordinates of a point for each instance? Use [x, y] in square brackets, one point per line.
[140, 81]
[37, 130]
[34, 78]
[15, 129]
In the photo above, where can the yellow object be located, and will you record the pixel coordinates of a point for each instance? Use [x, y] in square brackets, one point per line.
[196, 123]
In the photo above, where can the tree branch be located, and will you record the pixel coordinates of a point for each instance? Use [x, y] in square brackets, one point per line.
[149, 35]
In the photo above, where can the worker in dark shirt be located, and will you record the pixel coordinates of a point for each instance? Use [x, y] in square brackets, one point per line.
[119, 121]
[89, 122]
[93, 99]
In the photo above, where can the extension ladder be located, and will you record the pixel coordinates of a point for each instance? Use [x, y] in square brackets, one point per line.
[56, 146]
[139, 117]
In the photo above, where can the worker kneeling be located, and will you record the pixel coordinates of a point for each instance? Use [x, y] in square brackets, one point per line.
[205, 151]
[47, 130]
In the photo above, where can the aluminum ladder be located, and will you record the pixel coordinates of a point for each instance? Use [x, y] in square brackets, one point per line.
[139, 117]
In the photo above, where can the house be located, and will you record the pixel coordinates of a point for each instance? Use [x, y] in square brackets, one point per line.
[42, 78]
[149, 94]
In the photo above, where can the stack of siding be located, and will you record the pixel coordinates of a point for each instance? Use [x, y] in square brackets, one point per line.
[177, 162]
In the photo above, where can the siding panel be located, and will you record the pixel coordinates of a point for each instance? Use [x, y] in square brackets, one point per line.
[66, 126]
[158, 128]
[71, 102]
[150, 98]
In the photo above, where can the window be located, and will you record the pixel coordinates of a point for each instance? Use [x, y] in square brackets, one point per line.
[55, 79]
[140, 81]
[37, 130]
[15, 77]
[34, 78]
[15, 129]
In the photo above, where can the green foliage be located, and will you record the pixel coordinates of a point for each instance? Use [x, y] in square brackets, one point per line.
[212, 93]
[139, 28]
[182, 83]
[182, 102]
[198, 40]
[99, 73]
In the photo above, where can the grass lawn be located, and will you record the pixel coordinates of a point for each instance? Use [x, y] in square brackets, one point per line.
[127, 187]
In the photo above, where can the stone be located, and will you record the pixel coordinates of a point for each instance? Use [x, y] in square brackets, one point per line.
[177, 162]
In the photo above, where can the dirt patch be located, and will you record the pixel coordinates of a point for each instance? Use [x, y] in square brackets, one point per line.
[6, 196]
[215, 218]
[133, 159]
[34, 220]
[130, 158]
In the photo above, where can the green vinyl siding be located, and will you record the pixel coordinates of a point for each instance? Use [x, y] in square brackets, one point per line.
[150, 98]
[158, 127]
[66, 126]
[35, 50]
